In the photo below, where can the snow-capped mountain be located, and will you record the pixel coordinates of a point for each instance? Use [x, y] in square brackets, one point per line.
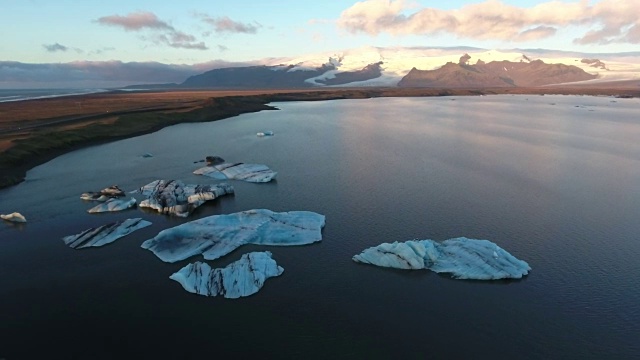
[373, 66]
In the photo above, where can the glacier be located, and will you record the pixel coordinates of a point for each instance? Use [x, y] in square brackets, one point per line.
[113, 204]
[241, 278]
[217, 235]
[177, 198]
[13, 217]
[104, 234]
[462, 257]
[256, 173]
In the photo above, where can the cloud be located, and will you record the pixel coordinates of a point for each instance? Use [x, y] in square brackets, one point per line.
[135, 21]
[55, 47]
[607, 21]
[163, 33]
[224, 24]
[222, 48]
[15, 74]
[177, 39]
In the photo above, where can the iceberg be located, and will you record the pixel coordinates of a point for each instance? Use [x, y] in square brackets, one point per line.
[463, 258]
[238, 171]
[180, 199]
[104, 234]
[104, 194]
[113, 205]
[241, 278]
[217, 235]
[14, 217]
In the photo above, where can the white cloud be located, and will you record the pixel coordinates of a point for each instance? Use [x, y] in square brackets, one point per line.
[606, 21]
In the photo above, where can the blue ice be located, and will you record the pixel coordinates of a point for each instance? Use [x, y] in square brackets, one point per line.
[463, 258]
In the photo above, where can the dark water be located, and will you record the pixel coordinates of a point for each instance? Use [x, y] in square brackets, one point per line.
[552, 179]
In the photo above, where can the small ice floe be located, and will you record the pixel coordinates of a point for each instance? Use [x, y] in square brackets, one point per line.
[217, 235]
[104, 194]
[113, 205]
[266, 133]
[256, 173]
[238, 279]
[104, 234]
[177, 198]
[463, 258]
[14, 217]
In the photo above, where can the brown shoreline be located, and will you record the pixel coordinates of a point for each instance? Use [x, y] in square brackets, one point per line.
[33, 132]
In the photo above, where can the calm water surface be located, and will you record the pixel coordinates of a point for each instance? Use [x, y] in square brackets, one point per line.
[552, 179]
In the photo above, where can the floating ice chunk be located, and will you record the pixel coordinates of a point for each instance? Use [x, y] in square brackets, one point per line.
[104, 234]
[238, 171]
[14, 217]
[211, 172]
[218, 235]
[104, 194]
[240, 278]
[175, 197]
[113, 205]
[463, 258]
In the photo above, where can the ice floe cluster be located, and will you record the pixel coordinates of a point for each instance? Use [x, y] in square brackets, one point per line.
[463, 258]
[177, 198]
[238, 279]
[103, 195]
[104, 234]
[217, 235]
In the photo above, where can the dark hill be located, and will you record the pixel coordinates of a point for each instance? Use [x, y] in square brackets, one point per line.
[495, 74]
[271, 77]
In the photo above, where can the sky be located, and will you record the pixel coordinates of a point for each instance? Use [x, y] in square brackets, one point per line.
[192, 32]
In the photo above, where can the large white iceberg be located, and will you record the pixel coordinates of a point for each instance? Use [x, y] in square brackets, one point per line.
[240, 278]
[238, 171]
[14, 217]
[113, 205]
[462, 257]
[217, 235]
[104, 234]
[180, 199]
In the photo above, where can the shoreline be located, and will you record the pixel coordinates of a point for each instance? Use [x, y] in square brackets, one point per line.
[36, 131]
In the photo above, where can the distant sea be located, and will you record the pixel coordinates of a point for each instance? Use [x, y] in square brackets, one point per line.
[7, 95]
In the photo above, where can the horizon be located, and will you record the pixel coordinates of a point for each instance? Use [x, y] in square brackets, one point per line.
[197, 36]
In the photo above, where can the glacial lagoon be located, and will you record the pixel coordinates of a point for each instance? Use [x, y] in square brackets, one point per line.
[553, 180]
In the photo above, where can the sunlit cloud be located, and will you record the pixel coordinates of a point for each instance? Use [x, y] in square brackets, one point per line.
[606, 21]
[135, 21]
[162, 32]
[224, 24]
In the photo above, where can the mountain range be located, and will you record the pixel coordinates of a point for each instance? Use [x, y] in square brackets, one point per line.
[361, 67]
